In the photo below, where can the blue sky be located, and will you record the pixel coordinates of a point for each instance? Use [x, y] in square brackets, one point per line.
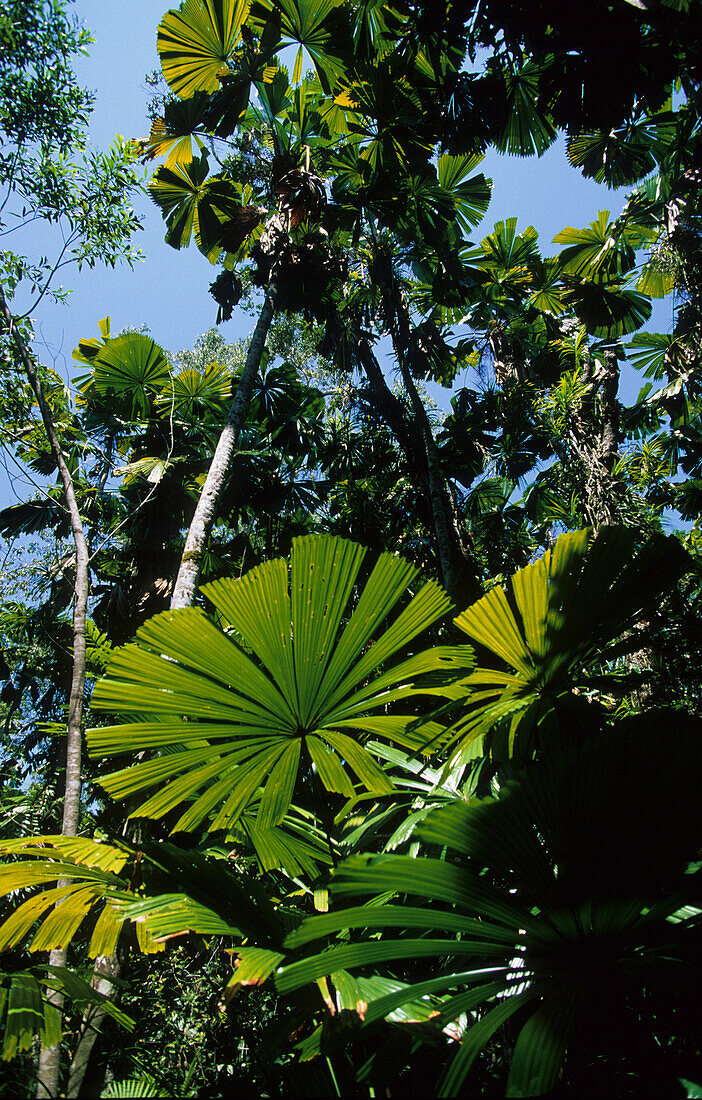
[169, 290]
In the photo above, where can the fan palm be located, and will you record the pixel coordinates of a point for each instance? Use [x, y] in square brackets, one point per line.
[568, 893]
[87, 874]
[286, 684]
[196, 43]
[560, 617]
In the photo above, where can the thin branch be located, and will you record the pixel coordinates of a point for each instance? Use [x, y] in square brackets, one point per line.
[69, 241]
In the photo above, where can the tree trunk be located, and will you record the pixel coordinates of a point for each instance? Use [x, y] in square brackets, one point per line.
[407, 433]
[459, 571]
[598, 444]
[49, 1057]
[105, 970]
[203, 520]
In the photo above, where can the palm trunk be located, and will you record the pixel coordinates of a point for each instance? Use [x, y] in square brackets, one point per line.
[203, 520]
[406, 432]
[459, 571]
[49, 1057]
[597, 444]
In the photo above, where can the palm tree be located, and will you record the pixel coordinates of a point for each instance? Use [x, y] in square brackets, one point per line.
[567, 908]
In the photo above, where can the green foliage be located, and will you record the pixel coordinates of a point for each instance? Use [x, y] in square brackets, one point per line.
[566, 890]
[301, 719]
[27, 1012]
[315, 687]
[196, 43]
[558, 618]
[45, 167]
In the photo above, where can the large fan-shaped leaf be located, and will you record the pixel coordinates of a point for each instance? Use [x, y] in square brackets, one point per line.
[558, 615]
[193, 204]
[132, 366]
[89, 872]
[194, 395]
[651, 352]
[622, 156]
[469, 194]
[175, 132]
[566, 889]
[31, 516]
[136, 1088]
[528, 129]
[196, 42]
[547, 296]
[600, 251]
[289, 686]
[97, 881]
[319, 27]
[608, 311]
[506, 249]
[654, 281]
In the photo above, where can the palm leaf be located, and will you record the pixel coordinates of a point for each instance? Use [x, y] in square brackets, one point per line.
[555, 619]
[622, 156]
[651, 352]
[132, 1089]
[599, 251]
[528, 129]
[470, 194]
[132, 366]
[553, 879]
[30, 517]
[290, 685]
[608, 311]
[192, 204]
[196, 42]
[319, 27]
[89, 874]
[27, 1013]
[174, 133]
[655, 282]
[195, 395]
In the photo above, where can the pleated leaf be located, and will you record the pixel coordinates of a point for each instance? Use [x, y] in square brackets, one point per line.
[528, 129]
[173, 135]
[169, 915]
[132, 366]
[541, 1046]
[470, 194]
[26, 1013]
[319, 27]
[195, 43]
[609, 311]
[300, 677]
[194, 205]
[57, 913]
[596, 252]
[559, 615]
[569, 871]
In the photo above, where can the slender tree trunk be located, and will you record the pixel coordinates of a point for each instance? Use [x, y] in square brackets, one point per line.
[106, 969]
[459, 571]
[49, 1058]
[597, 443]
[408, 434]
[201, 525]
